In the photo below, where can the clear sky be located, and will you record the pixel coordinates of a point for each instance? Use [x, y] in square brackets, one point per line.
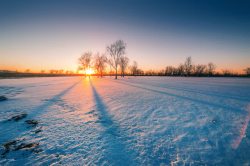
[52, 34]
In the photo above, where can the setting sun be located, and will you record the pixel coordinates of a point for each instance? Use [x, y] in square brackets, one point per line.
[89, 71]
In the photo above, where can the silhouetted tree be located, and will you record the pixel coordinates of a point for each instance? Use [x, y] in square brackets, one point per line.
[100, 63]
[188, 66]
[226, 72]
[211, 68]
[85, 61]
[169, 71]
[161, 73]
[181, 70]
[247, 70]
[60, 71]
[134, 68]
[200, 70]
[116, 50]
[123, 64]
[110, 63]
[51, 71]
[148, 72]
[139, 72]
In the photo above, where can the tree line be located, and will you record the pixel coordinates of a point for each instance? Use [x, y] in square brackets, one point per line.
[118, 64]
[190, 69]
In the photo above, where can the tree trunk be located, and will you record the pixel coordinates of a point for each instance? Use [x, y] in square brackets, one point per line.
[116, 73]
[110, 71]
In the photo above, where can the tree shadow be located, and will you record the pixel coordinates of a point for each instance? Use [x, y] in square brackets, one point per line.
[116, 151]
[225, 107]
[51, 101]
[192, 90]
[18, 128]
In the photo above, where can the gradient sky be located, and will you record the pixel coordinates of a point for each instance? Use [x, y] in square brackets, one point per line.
[52, 34]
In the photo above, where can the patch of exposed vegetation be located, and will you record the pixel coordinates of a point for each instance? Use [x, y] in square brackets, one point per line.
[3, 98]
[8, 146]
[26, 146]
[16, 145]
[18, 117]
[38, 130]
[32, 122]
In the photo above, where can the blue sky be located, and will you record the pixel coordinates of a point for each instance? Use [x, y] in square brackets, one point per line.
[53, 34]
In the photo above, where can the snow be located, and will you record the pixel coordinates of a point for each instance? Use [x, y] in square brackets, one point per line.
[130, 121]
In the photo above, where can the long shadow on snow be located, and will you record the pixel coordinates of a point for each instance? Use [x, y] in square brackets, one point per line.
[184, 98]
[49, 102]
[40, 109]
[171, 87]
[117, 153]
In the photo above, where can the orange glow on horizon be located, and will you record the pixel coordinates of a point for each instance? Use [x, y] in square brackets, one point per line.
[91, 71]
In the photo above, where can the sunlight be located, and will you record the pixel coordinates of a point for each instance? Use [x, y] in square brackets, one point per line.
[89, 71]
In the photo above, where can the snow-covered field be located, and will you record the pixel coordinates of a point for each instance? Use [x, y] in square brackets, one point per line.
[131, 121]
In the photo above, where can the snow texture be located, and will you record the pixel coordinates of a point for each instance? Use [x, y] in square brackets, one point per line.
[131, 121]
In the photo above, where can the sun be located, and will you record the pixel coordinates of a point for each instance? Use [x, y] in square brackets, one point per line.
[89, 71]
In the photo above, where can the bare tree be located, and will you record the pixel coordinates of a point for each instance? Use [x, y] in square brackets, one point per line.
[85, 61]
[60, 71]
[110, 62]
[51, 71]
[116, 50]
[211, 68]
[227, 72]
[148, 73]
[188, 66]
[100, 63]
[123, 64]
[139, 72]
[134, 68]
[247, 70]
[200, 70]
[169, 70]
[181, 70]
